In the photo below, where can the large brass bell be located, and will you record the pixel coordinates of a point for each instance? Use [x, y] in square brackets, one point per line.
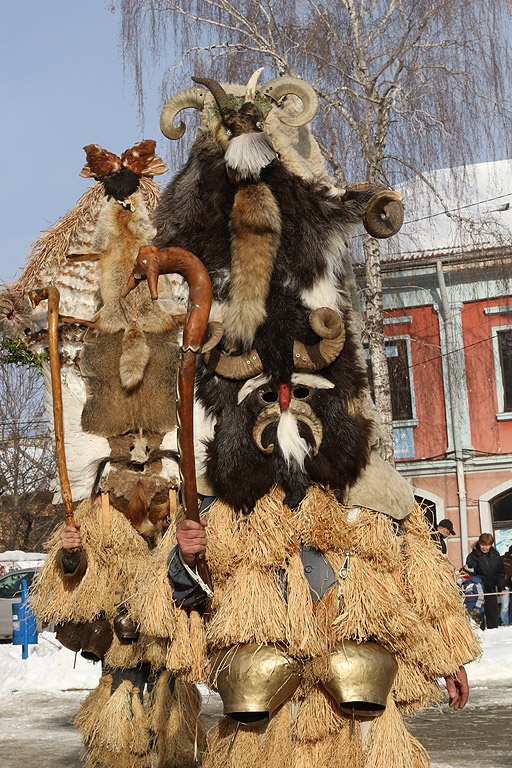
[359, 677]
[254, 680]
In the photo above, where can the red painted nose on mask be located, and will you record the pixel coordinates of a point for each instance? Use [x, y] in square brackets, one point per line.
[284, 395]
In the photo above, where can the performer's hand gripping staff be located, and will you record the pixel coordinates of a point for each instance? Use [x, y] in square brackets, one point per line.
[52, 294]
[149, 265]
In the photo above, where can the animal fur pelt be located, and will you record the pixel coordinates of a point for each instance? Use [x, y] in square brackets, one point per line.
[309, 270]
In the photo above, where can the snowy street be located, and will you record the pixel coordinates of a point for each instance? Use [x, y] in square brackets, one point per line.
[40, 697]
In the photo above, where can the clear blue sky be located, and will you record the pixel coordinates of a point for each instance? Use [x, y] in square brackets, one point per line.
[62, 87]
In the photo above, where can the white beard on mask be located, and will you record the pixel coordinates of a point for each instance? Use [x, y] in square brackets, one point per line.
[249, 153]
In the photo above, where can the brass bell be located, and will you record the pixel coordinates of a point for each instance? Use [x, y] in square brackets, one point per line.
[69, 635]
[359, 677]
[96, 639]
[125, 628]
[254, 680]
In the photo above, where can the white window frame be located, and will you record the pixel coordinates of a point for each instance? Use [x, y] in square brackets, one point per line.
[414, 421]
[502, 414]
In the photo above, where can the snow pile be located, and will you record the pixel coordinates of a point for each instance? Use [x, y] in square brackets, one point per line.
[49, 668]
[495, 665]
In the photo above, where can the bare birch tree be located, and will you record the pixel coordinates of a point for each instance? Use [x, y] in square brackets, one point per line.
[405, 86]
[27, 461]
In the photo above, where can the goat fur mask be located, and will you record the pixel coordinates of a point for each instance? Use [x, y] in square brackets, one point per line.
[275, 245]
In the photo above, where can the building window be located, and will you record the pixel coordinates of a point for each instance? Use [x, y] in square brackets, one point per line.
[502, 343]
[505, 348]
[402, 395]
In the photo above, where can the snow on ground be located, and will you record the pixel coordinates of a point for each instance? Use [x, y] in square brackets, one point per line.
[52, 668]
[495, 665]
[49, 668]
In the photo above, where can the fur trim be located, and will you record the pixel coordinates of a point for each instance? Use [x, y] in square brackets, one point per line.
[256, 229]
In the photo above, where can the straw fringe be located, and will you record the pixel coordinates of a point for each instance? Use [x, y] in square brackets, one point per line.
[373, 607]
[219, 740]
[248, 607]
[263, 539]
[109, 575]
[198, 647]
[348, 748]
[314, 754]
[87, 716]
[391, 744]
[180, 655]
[301, 628]
[413, 690]
[374, 536]
[276, 747]
[122, 724]
[318, 717]
[321, 522]
[151, 602]
[175, 722]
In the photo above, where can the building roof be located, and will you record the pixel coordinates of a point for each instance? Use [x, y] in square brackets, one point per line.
[454, 212]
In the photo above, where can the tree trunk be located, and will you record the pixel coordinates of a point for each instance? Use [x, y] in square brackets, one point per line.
[375, 332]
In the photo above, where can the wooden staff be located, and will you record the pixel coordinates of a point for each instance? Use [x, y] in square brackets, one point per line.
[149, 265]
[52, 294]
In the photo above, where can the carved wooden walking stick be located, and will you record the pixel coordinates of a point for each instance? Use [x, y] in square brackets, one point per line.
[52, 294]
[149, 265]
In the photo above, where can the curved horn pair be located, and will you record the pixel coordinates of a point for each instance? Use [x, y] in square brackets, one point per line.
[328, 324]
[302, 412]
[274, 90]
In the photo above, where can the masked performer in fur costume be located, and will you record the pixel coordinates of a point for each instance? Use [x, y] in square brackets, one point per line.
[323, 625]
[115, 421]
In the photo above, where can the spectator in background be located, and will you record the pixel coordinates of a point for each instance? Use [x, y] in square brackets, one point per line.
[485, 562]
[473, 588]
[506, 606]
[444, 529]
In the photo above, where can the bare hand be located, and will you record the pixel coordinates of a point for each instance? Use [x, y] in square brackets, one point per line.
[70, 537]
[191, 538]
[458, 689]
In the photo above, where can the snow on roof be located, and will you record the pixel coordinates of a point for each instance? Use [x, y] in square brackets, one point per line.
[457, 210]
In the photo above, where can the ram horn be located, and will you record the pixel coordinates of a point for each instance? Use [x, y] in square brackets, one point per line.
[190, 97]
[217, 91]
[265, 417]
[234, 366]
[304, 412]
[328, 324]
[283, 86]
[216, 332]
[383, 214]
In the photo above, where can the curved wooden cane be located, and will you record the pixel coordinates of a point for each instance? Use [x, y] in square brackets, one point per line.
[52, 294]
[149, 265]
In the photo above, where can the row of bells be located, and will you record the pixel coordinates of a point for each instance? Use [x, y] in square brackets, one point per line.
[255, 680]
